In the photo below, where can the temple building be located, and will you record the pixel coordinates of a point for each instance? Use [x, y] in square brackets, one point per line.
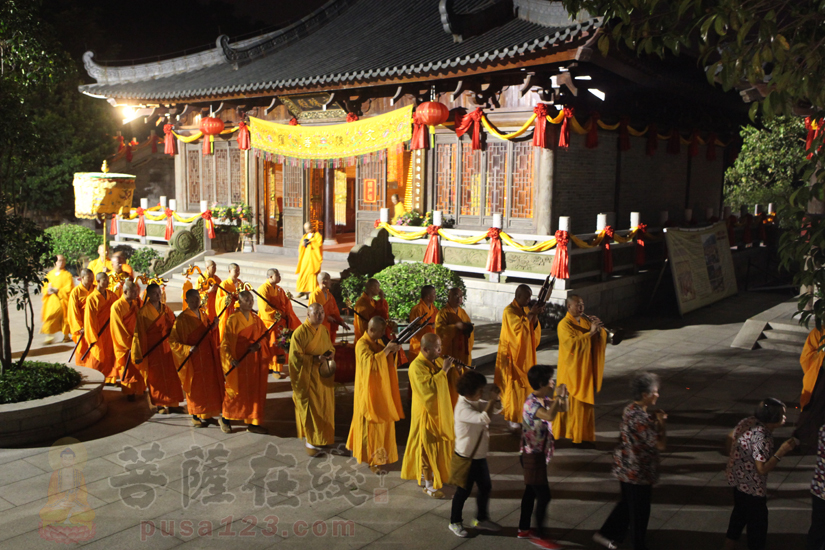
[623, 134]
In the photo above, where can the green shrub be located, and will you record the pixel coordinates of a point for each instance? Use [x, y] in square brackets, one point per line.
[402, 285]
[75, 242]
[36, 380]
[142, 260]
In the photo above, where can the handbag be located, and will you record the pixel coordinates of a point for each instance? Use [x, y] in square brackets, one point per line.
[460, 466]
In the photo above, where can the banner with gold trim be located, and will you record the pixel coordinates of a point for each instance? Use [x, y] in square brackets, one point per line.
[333, 141]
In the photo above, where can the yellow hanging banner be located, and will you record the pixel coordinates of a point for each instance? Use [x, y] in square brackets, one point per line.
[335, 140]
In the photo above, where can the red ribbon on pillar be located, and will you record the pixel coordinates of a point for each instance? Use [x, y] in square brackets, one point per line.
[141, 228]
[540, 131]
[747, 234]
[243, 137]
[673, 143]
[376, 224]
[652, 140]
[210, 223]
[352, 117]
[560, 268]
[607, 254]
[564, 134]
[170, 227]
[168, 140]
[419, 137]
[468, 122]
[154, 142]
[711, 152]
[113, 225]
[120, 144]
[431, 255]
[494, 256]
[293, 121]
[624, 135]
[592, 139]
[693, 148]
[640, 245]
[129, 153]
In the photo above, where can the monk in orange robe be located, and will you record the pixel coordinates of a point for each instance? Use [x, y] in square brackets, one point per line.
[323, 296]
[310, 257]
[226, 296]
[122, 272]
[454, 328]
[124, 317]
[377, 405]
[276, 307]
[56, 291]
[246, 374]
[520, 335]
[101, 264]
[153, 354]
[372, 303]
[812, 399]
[76, 312]
[207, 286]
[96, 330]
[426, 307]
[582, 342]
[201, 376]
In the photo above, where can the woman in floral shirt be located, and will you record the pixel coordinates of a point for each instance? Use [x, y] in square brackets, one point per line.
[816, 536]
[636, 464]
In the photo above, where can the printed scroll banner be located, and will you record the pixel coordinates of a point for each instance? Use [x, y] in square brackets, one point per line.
[333, 141]
[701, 264]
[102, 193]
[370, 190]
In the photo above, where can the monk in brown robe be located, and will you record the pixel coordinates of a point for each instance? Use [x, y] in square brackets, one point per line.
[201, 375]
[276, 307]
[323, 296]
[124, 318]
[77, 310]
[153, 354]
[96, 330]
[246, 373]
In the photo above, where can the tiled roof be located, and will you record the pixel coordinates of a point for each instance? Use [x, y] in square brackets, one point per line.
[363, 40]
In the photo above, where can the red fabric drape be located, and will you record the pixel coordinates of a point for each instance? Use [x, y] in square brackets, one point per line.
[431, 255]
[376, 224]
[470, 121]
[419, 137]
[293, 121]
[129, 153]
[747, 233]
[560, 268]
[640, 245]
[711, 152]
[352, 117]
[652, 140]
[693, 148]
[170, 228]
[624, 136]
[120, 144]
[168, 140]
[244, 142]
[210, 223]
[540, 131]
[154, 142]
[564, 134]
[141, 228]
[592, 140]
[113, 226]
[494, 256]
[674, 146]
[607, 254]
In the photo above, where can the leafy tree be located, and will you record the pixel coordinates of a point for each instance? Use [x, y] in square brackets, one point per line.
[767, 169]
[75, 242]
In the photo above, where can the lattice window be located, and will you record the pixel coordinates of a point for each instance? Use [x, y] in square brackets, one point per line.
[522, 186]
[496, 195]
[446, 171]
[193, 176]
[222, 175]
[237, 177]
[372, 169]
[293, 186]
[471, 174]
[208, 172]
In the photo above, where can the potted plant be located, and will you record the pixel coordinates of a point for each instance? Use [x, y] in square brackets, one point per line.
[247, 231]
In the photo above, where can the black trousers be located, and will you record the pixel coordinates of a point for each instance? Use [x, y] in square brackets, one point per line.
[632, 511]
[480, 476]
[816, 535]
[751, 512]
[812, 417]
[535, 497]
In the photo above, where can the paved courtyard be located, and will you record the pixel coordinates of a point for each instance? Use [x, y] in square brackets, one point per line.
[155, 482]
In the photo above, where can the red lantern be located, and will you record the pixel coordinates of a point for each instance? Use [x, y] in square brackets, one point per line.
[429, 113]
[210, 126]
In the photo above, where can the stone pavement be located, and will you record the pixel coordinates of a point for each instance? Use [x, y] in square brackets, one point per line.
[205, 489]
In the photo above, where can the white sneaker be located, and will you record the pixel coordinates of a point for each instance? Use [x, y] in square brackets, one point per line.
[458, 530]
[598, 538]
[486, 525]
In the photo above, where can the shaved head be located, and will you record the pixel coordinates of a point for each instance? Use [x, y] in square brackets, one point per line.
[573, 299]
[430, 341]
[130, 290]
[102, 279]
[127, 285]
[316, 314]
[193, 294]
[379, 323]
[84, 272]
[271, 272]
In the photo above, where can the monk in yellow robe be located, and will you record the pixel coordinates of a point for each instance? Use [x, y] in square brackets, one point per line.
[246, 377]
[313, 394]
[520, 335]
[152, 352]
[101, 264]
[377, 405]
[812, 399]
[399, 209]
[68, 505]
[226, 296]
[429, 450]
[56, 291]
[454, 328]
[119, 274]
[426, 307]
[373, 303]
[332, 315]
[124, 318]
[582, 344]
[76, 312]
[201, 376]
[96, 329]
[310, 256]
[276, 307]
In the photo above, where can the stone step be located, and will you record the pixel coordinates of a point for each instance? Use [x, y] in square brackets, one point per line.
[789, 327]
[786, 336]
[780, 345]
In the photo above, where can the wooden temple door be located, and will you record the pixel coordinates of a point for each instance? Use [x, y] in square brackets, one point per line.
[293, 198]
[371, 191]
[316, 180]
[273, 203]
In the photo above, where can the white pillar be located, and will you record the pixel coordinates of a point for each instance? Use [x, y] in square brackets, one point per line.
[437, 217]
[173, 204]
[204, 206]
[497, 221]
[564, 223]
[601, 222]
[384, 215]
[688, 214]
[755, 209]
[144, 203]
[663, 217]
[771, 208]
[163, 203]
[635, 219]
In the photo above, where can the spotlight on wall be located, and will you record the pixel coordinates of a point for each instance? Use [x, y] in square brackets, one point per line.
[583, 77]
[597, 92]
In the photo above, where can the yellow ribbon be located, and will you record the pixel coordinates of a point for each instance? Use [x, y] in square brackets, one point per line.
[538, 247]
[513, 135]
[197, 135]
[462, 240]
